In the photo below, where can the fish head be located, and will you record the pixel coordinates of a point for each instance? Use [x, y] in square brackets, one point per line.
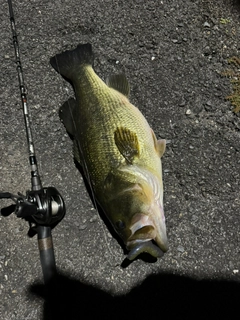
[134, 208]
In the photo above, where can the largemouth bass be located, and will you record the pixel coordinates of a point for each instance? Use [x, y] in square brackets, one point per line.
[118, 151]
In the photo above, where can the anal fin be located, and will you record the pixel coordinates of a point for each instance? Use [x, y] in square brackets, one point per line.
[160, 145]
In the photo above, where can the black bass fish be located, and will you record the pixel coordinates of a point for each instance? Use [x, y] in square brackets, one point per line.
[118, 151]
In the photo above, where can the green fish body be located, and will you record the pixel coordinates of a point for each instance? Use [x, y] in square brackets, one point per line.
[118, 151]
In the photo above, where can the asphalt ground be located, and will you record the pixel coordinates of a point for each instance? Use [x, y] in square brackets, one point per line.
[174, 54]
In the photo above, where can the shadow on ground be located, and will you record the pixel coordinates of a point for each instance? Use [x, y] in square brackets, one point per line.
[162, 296]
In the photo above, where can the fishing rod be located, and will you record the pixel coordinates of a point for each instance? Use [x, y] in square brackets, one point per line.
[41, 207]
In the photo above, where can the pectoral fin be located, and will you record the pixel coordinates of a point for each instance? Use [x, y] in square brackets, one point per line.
[127, 143]
[66, 114]
[119, 82]
[160, 145]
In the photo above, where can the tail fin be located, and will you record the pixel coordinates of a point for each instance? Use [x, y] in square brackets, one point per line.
[68, 62]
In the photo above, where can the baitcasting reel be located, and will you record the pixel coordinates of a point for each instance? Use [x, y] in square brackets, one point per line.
[45, 206]
[42, 207]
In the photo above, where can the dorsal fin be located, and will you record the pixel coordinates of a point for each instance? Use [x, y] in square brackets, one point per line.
[127, 143]
[119, 82]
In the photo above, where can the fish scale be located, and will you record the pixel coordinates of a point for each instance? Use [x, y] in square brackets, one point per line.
[118, 150]
[102, 111]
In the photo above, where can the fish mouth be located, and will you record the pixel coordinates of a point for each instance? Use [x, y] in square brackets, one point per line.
[148, 247]
[147, 237]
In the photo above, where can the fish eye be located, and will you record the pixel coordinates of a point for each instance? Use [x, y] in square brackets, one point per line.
[120, 225]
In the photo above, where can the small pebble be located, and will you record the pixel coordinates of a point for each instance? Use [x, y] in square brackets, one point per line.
[93, 219]
[66, 90]
[82, 227]
[166, 170]
[182, 103]
[194, 217]
[180, 249]
[206, 24]
[188, 112]
[207, 51]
